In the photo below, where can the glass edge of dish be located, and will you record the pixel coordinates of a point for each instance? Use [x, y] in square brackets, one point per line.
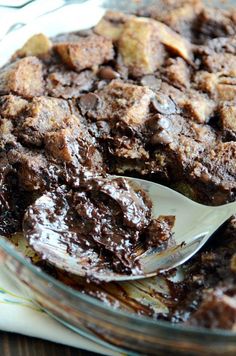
[11, 250]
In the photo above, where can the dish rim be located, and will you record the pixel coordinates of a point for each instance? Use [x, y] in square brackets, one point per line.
[10, 249]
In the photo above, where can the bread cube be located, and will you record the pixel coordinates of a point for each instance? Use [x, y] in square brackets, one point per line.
[140, 47]
[36, 45]
[23, 77]
[86, 52]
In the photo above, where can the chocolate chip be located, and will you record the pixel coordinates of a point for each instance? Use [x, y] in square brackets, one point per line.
[158, 122]
[103, 126]
[163, 104]
[164, 122]
[101, 84]
[161, 137]
[108, 73]
[151, 81]
[88, 102]
[152, 123]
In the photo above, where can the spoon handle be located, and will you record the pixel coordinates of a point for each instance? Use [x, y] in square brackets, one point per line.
[225, 211]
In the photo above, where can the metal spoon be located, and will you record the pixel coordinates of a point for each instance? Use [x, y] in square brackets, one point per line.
[195, 223]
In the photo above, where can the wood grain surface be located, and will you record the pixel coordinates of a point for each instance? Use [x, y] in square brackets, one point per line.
[19, 345]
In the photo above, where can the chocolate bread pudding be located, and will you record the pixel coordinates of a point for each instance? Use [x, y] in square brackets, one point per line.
[150, 94]
[101, 224]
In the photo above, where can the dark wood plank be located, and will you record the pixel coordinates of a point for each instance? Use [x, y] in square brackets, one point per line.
[19, 345]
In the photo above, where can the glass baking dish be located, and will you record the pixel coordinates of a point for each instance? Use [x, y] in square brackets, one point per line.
[117, 329]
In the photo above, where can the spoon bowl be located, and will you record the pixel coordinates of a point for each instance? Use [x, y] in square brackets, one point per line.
[194, 224]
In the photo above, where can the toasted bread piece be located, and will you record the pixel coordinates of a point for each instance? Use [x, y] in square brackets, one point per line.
[86, 52]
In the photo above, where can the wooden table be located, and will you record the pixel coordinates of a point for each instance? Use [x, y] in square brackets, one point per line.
[19, 345]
